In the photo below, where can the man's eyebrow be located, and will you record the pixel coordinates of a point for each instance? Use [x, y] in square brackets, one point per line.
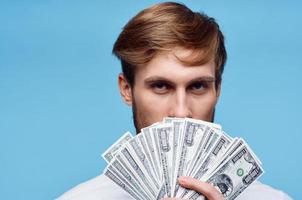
[204, 79]
[153, 79]
[163, 79]
[157, 79]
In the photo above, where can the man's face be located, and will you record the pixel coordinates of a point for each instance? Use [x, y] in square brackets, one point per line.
[167, 88]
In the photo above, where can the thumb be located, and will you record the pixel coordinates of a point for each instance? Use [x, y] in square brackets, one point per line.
[204, 188]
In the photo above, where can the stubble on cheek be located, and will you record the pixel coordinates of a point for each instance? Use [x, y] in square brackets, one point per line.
[137, 123]
[209, 115]
[138, 117]
[143, 115]
[206, 112]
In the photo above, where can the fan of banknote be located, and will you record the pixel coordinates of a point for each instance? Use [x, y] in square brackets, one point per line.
[148, 165]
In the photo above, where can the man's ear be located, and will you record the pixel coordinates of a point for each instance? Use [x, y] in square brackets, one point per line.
[125, 89]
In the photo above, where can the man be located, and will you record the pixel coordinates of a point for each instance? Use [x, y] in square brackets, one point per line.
[172, 62]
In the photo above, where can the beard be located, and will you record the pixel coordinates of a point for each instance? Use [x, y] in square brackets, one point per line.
[138, 118]
[137, 123]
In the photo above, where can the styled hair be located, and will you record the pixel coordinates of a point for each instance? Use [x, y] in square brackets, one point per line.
[165, 26]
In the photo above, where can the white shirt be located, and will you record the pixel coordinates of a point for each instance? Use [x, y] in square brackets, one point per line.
[102, 187]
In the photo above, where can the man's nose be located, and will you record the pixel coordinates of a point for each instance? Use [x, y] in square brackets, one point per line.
[180, 106]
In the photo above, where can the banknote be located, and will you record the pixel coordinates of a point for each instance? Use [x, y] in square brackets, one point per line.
[127, 181]
[234, 146]
[147, 154]
[155, 144]
[140, 172]
[137, 175]
[126, 187]
[148, 165]
[193, 139]
[152, 149]
[235, 175]
[109, 154]
[129, 177]
[178, 126]
[136, 151]
[165, 139]
[211, 136]
[215, 151]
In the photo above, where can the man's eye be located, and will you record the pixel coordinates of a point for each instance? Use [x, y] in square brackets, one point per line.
[198, 87]
[160, 87]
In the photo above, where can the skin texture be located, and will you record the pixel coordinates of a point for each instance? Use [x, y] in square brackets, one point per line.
[165, 87]
[204, 188]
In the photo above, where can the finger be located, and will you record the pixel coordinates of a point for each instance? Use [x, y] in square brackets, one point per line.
[202, 187]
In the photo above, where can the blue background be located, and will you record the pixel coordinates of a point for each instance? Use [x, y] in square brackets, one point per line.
[59, 102]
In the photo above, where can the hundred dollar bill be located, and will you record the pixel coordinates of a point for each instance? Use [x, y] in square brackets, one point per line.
[165, 139]
[210, 137]
[109, 154]
[138, 169]
[132, 178]
[148, 165]
[120, 183]
[145, 150]
[155, 140]
[234, 146]
[162, 193]
[193, 134]
[211, 132]
[230, 151]
[177, 138]
[247, 147]
[139, 156]
[235, 175]
[216, 151]
[127, 180]
[136, 174]
[149, 140]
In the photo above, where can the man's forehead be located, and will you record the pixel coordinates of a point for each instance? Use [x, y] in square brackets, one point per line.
[167, 65]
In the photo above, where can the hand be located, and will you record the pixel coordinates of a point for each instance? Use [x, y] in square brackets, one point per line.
[206, 189]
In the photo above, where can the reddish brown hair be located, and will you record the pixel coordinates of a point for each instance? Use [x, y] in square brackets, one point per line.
[163, 27]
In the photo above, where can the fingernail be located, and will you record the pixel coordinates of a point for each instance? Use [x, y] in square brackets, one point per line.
[182, 180]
